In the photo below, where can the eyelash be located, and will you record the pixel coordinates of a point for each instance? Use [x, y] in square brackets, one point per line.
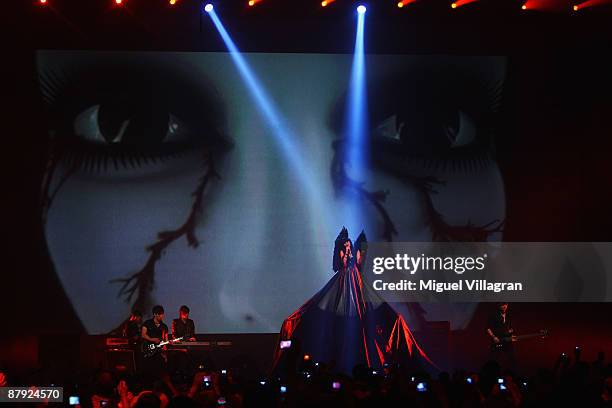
[91, 159]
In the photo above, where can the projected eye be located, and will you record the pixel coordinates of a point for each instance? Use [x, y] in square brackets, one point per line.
[87, 125]
[428, 133]
[123, 114]
[463, 133]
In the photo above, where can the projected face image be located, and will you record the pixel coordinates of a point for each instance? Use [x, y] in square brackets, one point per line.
[165, 184]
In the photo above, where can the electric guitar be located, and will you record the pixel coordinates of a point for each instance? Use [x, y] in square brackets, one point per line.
[504, 341]
[151, 349]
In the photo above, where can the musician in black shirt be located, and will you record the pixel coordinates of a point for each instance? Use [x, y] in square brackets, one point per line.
[499, 329]
[183, 326]
[499, 325]
[132, 327]
[155, 331]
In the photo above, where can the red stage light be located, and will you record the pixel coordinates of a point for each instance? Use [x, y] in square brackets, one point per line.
[403, 3]
[172, 2]
[460, 3]
[118, 2]
[306, 357]
[43, 2]
[560, 6]
[253, 2]
[590, 3]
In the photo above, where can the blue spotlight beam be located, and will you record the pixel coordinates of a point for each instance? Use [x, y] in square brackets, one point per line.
[357, 118]
[357, 104]
[281, 133]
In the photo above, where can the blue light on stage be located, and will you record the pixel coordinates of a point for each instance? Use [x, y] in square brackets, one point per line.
[361, 9]
[208, 8]
[282, 135]
[356, 126]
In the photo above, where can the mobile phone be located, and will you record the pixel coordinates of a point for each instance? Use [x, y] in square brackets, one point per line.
[285, 344]
[104, 403]
[421, 387]
[469, 380]
[502, 387]
[73, 400]
[224, 371]
[221, 401]
[206, 378]
[500, 380]
[283, 389]
[336, 385]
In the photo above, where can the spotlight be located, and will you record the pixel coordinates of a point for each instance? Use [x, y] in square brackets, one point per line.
[253, 2]
[306, 357]
[43, 2]
[575, 8]
[172, 2]
[404, 3]
[460, 3]
[287, 142]
[361, 9]
[208, 8]
[118, 2]
[524, 7]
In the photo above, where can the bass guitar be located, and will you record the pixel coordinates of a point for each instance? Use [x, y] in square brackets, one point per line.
[504, 341]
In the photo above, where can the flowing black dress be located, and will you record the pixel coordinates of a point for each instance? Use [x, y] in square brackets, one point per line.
[338, 326]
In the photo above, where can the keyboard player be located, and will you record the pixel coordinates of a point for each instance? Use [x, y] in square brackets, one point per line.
[183, 326]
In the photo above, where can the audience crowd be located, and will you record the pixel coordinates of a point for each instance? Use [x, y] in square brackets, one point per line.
[567, 382]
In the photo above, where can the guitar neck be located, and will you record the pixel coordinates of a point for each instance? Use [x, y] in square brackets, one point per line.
[525, 336]
[528, 336]
[163, 343]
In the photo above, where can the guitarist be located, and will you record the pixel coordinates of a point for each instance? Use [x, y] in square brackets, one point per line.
[499, 329]
[155, 331]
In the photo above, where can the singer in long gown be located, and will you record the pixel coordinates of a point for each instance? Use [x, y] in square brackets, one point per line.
[337, 325]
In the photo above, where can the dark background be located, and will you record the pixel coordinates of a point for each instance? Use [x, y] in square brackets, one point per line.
[553, 148]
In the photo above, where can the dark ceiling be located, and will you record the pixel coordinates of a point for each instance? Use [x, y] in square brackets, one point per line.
[425, 26]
